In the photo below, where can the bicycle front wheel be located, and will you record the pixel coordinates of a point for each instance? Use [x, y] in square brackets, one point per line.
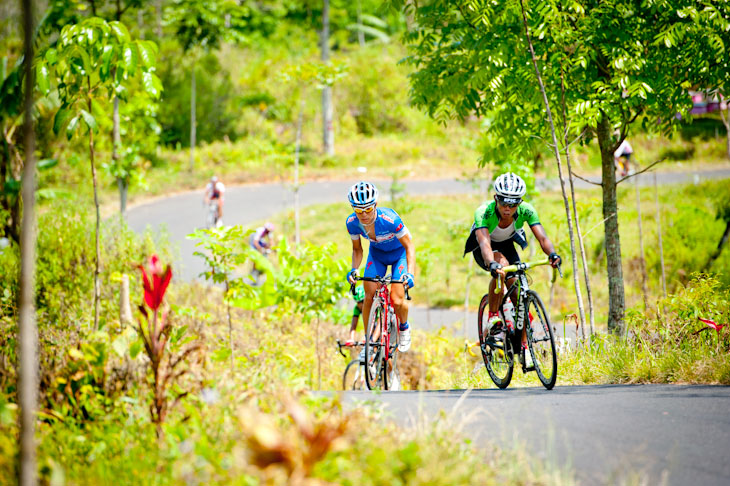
[498, 357]
[354, 376]
[373, 347]
[541, 341]
[391, 380]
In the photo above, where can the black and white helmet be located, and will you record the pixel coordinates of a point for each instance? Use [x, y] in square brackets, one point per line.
[510, 187]
[363, 195]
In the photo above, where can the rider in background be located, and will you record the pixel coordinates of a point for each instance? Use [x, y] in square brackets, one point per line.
[261, 240]
[214, 191]
[390, 245]
[497, 227]
[359, 297]
[624, 150]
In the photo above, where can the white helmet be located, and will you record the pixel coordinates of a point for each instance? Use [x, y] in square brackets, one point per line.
[362, 195]
[510, 187]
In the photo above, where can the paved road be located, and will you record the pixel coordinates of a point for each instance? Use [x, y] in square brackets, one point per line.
[664, 434]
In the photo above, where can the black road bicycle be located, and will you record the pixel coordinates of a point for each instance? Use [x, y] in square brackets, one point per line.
[499, 354]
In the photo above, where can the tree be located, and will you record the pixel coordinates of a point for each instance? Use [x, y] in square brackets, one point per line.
[27, 327]
[93, 62]
[328, 132]
[619, 62]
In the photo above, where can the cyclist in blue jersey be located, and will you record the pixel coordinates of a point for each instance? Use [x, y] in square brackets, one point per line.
[390, 245]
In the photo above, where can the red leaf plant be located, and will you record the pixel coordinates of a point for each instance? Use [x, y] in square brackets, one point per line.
[155, 335]
[712, 324]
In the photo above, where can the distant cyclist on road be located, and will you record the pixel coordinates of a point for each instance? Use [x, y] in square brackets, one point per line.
[624, 151]
[390, 245]
[261, 240]
[497, 227]
[214, 192]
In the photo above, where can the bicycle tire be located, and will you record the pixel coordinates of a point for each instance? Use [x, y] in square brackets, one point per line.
[392, 355]
[498, 361]
[373, 348]
[352, 378]
[541, 341]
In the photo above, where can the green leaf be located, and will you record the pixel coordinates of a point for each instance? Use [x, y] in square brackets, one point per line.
[151, 84]
[41, 72]
[120, 31]
[59, 121]
[106, 58]
[130, 57]
[71, 128]
[47, 164]
[51, 56]
[90, 120]
[147, 53]
[135, 348]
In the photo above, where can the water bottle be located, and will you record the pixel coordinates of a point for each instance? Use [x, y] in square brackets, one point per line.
[509, 314]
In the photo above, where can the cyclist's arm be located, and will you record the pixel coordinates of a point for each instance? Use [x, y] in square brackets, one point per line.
[357, 253]
[545, 243]
[485, 244]
[407, 243]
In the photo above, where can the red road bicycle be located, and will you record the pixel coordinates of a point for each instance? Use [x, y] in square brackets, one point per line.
[381, 338]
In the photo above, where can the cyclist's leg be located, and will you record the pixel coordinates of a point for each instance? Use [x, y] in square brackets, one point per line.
[397, 291]
[496, 298]
[373, 268]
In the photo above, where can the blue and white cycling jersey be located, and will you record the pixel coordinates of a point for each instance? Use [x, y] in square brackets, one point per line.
[388, 228]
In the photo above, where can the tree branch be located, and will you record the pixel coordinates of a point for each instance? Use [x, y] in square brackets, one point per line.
[641, 171]
[585, 180]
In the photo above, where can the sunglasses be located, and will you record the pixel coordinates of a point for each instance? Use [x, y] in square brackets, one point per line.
[508, 205]
[366, 210]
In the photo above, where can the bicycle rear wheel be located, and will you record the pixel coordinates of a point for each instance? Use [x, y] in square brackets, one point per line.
[354, 376]
[541, 340]
[498, 357]
[373, 348]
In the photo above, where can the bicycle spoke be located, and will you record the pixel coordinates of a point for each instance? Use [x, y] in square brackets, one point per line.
[499, 363]
[541, 341]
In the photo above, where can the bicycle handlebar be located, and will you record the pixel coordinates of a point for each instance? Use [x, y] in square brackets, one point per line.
[522, 266]
[340, 345]
[381, 280]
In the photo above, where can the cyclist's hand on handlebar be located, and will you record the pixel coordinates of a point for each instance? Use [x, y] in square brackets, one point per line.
[495, 268]
[351, 276]
[408, 280]
[555, 260]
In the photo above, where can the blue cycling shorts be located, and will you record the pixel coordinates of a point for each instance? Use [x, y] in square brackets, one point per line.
[378, 262]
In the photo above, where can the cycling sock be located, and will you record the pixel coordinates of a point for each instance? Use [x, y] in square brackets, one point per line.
[403, 326]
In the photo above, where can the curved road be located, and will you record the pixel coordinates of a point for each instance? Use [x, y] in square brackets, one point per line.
[663, 434]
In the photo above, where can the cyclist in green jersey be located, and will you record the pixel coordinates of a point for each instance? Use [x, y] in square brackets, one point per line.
[497, 227]
[359, 298]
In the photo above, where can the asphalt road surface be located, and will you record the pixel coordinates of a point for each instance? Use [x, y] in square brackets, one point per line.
[653, 434]
[660, 434]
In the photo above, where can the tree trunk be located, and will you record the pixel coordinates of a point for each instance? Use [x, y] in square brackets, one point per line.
[158, 15]
[97, 263]
[297, 238]
[328, 134]
[192, 118]
[556, 152]
[642, 262]
[659, 233]
[27, 327]
[125, 309]
[583, 257]
[616, 302]
[116, 144]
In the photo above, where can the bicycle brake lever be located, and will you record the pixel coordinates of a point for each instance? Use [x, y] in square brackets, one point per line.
[408, 296]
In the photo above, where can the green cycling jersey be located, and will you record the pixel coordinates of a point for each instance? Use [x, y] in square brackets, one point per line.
[486, 216]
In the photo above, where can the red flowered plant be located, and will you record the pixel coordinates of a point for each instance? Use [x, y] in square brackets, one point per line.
[155, 332]
[712, 324]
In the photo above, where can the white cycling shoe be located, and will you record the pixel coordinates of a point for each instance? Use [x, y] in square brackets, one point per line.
[404, 340]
